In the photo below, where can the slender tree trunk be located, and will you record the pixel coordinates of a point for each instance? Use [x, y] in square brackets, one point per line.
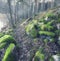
[10, 11]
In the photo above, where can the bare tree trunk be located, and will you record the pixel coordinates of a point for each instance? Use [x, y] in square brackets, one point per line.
[36, 6]
[10, 11]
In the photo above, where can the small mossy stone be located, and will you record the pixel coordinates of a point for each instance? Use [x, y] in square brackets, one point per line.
[52, 40]
[39, 56]
[33, 33]
[51, 59]
[46, 41]
[29, 27]
[47, 33]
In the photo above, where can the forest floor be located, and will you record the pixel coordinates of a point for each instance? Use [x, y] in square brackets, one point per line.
[27, 46]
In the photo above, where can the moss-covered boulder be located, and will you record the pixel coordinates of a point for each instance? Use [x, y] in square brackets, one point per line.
[9, 44]
[31, 29]
[8, 54]
[7, 38]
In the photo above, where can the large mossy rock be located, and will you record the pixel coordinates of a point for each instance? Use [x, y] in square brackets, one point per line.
[8, 54]
[31, 29]
[41, 27]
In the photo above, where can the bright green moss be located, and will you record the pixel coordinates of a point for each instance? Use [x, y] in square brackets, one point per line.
[50, 22]
[46, 41]
[33, 33]
[30, 30]
[2, 45]
[43, 27]
[49, 14]
[49, 27]
[35, 22]
[52, 40]
[42, 20]
[39, 56]
[8, 52]
[7, 38]
[51, 59]
[46, 33]
[46, 26]
[5, 41]
[1, 34]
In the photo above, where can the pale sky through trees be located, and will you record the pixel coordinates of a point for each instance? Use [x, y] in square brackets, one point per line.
[21, 10]
[1, 25]
[3, 22]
